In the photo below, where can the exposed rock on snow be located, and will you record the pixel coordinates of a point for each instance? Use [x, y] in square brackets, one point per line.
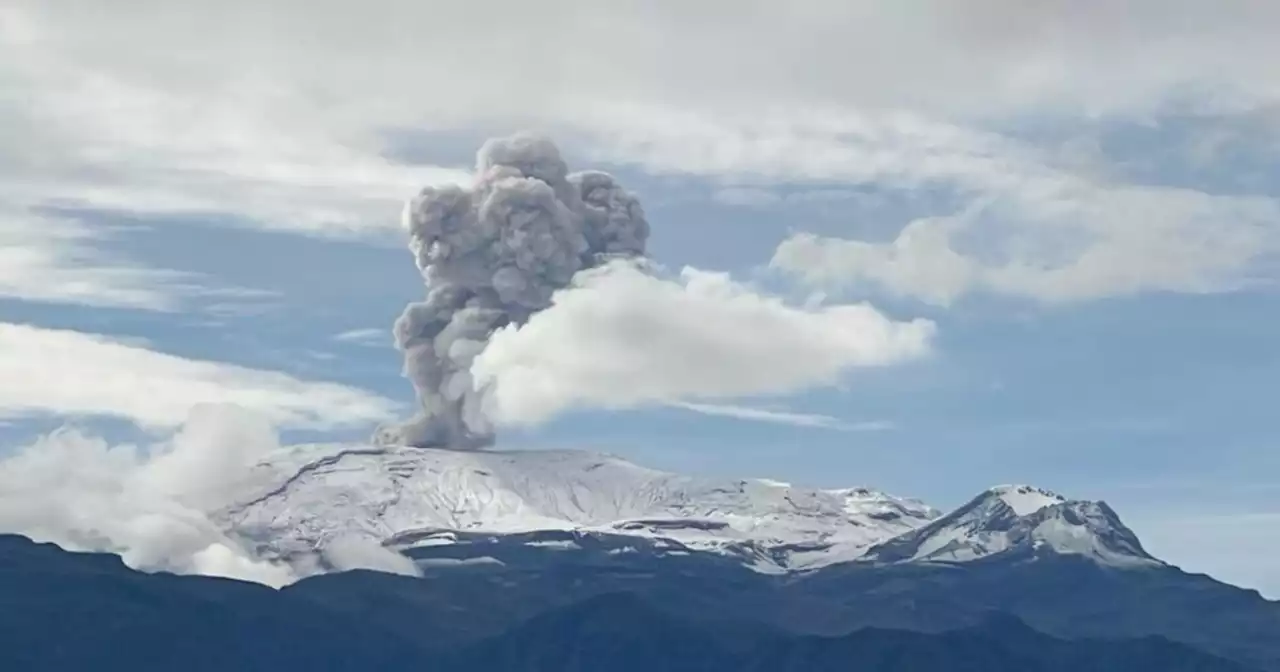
[412, 496]
[1019, 520]
[402, 498]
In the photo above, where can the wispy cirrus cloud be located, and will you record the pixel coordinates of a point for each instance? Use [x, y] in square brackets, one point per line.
[93, 135]
[289, 134]
[54, 257]
[50, 259]
[1017, 221]
[368, 337]
[98, 135]
[74, 374]
[814, 420]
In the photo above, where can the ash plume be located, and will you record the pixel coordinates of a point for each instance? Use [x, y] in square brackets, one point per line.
[492, 254]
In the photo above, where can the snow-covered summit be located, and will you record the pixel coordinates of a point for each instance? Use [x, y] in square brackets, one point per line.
[1025, 499]
[1018, 521]
[316, 494]
[305, 499]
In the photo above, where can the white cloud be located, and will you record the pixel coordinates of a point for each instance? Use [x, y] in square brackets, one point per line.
[749, 197]
[61, 268]
[96, 134]
[288, 133]
[1027, 226]
[986, 56]
[57, 259]
[354, 552]
[370, 337]
[622, 338]
[147, 504]
[274, 114]
[59, 372]
[84, 130]
[1092, 244]
[782, 417]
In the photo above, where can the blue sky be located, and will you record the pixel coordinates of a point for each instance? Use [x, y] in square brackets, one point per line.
[1095, 240]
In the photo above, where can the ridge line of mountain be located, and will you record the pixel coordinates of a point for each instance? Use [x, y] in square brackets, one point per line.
[313, 501]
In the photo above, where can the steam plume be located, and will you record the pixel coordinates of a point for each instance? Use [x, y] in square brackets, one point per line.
[148, 504]
[492, 255]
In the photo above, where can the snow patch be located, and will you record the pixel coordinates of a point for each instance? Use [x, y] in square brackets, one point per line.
[320, 492]
[1025, 499]
[402, 498]
[1019, 521]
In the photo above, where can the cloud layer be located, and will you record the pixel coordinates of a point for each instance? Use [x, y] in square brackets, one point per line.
[147, 504]
[50, 259]
[1064, 244]
[70, 373]
[294, 134]
[984, 56]
[622, 337]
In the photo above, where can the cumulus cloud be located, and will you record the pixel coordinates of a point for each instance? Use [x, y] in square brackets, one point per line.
[70, 373]
[1104, 243]
[621, 337]
[1023, 224]
[147, 504]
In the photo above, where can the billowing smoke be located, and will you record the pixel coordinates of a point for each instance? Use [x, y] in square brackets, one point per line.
[492, 254]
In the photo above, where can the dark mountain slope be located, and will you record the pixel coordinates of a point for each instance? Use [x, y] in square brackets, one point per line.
[1068, 596]
[72, 611]
[78, 611]
[623, 633]
[1065, 596]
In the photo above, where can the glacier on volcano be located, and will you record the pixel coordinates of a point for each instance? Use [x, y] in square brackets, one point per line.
[385, 494]
[400, 498]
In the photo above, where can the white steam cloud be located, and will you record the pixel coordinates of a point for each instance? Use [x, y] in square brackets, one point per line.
[621, 337]
[354, 552]
[149, 506]
[492, 255]
[539, 300]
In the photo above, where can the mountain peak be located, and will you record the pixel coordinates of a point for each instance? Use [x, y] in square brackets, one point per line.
[1025, 499]
[1019, 521]
[1089, 529]
[407, 497]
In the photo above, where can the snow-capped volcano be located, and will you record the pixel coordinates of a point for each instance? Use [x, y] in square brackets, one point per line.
[401, 497]
[1010, 521]
[309, 497]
